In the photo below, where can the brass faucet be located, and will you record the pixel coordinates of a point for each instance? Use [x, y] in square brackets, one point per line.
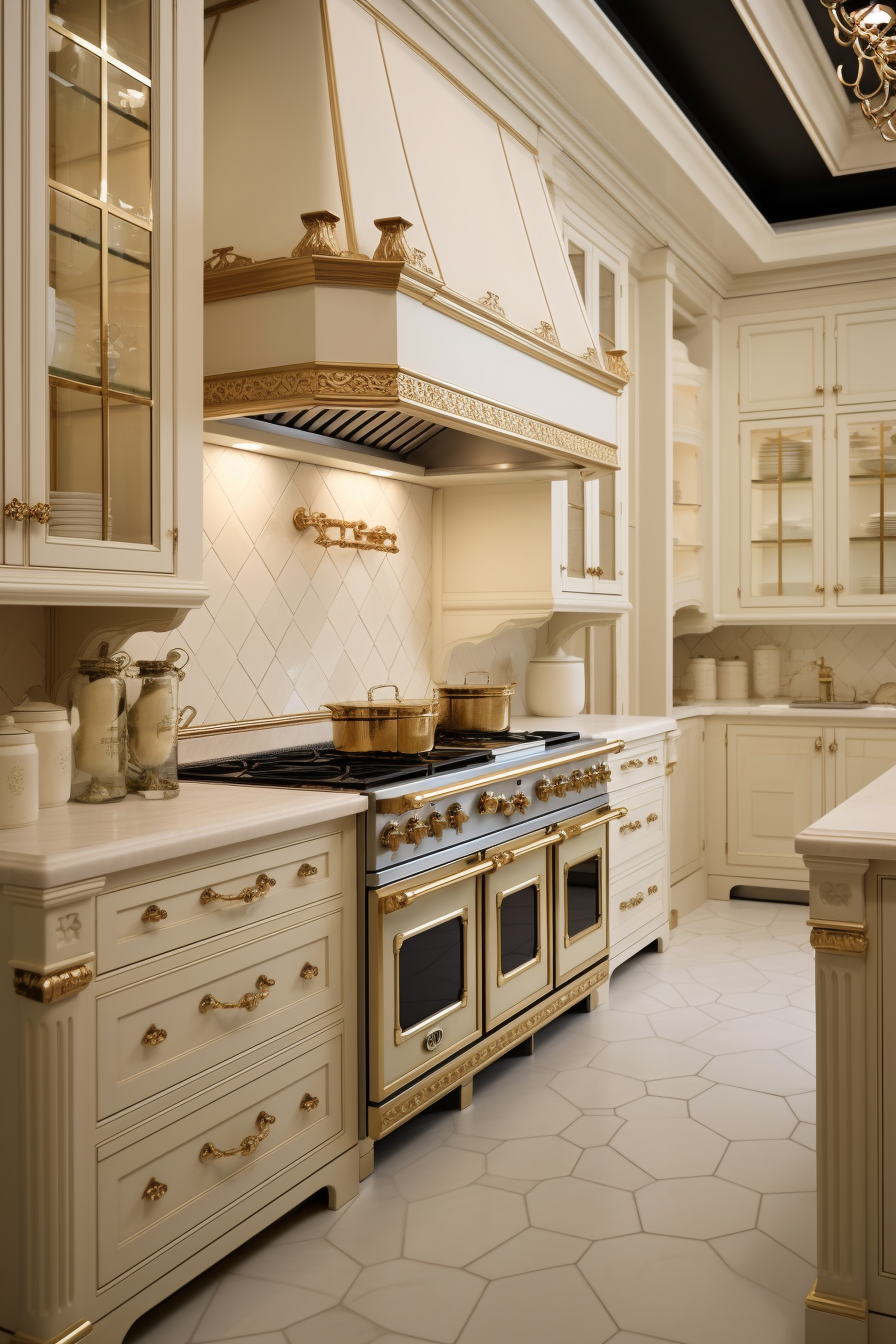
[825, 680]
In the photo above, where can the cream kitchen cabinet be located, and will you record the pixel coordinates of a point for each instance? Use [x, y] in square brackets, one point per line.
[180, 1038]
[102, 268]
[775, 781]
[781, 365]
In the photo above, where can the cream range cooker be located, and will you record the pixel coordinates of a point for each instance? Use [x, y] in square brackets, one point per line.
[484, 900]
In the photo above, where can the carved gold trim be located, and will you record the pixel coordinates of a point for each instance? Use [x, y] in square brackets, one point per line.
[616, 364]
[385, 1119]
[393, 246]
[225, 259]
[51, 988]
[847, 942]
[319, 238]
[547, 333]
[70, 1336]
[292, 272]
[363, 538]
[492, 301]
[856, 1309]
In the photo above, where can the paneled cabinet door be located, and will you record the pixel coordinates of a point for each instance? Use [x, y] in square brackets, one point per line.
[782, 512]
[775, 790]
[866, 357]
[781, 365]
[866, 509]
[861, 755]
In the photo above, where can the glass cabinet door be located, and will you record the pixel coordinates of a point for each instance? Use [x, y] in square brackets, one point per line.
[866, 455]
[783, 523]
[589, 534]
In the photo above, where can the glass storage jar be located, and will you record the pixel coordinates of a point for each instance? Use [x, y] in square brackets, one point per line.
[153, 721]
[100, 728]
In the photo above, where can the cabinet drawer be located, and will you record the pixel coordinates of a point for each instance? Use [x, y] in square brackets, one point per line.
[132, 1225]
[641, 830]
[636, 902]
[164, 1030]
[637, 765]
[162, 916]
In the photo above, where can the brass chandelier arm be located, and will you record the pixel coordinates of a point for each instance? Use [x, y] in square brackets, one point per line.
[870, 34]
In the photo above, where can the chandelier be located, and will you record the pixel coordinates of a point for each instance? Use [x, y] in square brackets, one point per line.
[870, 32]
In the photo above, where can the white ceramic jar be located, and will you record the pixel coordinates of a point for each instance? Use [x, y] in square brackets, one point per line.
[555, 687]
[767, 671]
[53, 738]
[732, 679]
[701, 675]
[19, 795]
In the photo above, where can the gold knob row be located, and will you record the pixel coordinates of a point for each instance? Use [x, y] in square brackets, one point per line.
[577, 780]
[20, 512]
[489, 804]
[415, 829]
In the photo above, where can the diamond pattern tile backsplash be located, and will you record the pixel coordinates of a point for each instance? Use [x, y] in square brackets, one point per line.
[23, 641]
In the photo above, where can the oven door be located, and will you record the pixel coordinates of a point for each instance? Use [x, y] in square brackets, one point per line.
[517, 919]
[424, 974]
[580, 893]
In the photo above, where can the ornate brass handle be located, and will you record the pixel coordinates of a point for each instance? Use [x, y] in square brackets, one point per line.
[261, 887]
[819, 587]
[251, 999]
[308, 972]
[630, 904]
[309, 1103]
[307, 870]
[653, 760]
[652, 816]
[819, 391]
[155, 1190]
[40, 513]
[595, 571]
[246, 1147]
[652, 891]
[154, 1035]
[634, 764]
[20, 512]
[153, 914]
[630, 826]
[818, 744]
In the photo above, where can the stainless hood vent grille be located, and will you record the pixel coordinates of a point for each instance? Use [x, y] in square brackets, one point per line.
[392, 431]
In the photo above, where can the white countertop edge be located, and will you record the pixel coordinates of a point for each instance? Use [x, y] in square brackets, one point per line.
[864, 827]
[80, 841]
[771, 709]
[630, 727]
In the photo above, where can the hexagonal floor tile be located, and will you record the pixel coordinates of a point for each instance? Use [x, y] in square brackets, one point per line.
[553, 1304]
[337, 1326]
[607, 1167]
[441, 1170]
[455, 1228]
[749, 1033]
[590, 1130]
[678, 1024]
[610, 1024]
[372, 1228]
[791, 1220]
[761, 1070]
[593, 1089]
[757, 1257]
[651, 1059]
[581, 1209]
[653, 1108]
[772, 1166]
[737, 1113]
[533, 1159]
[529, 1251]
[697, 1206]
[235, 1310]
[513, 1113]
[685, 1088]
[428, 1301]
[317, 1265]
[668, 1148]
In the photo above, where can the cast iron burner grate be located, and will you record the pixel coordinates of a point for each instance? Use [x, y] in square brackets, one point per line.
[325, 768]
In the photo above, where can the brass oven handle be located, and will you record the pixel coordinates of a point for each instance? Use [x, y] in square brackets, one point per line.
[154, 1035]
[246, 1147]
[410, 802]
[308, 972]
[153, 914]
[155, 1190]
[307, 870]
[630, 904]
[261, 887]
[574, 828]
[251, 999]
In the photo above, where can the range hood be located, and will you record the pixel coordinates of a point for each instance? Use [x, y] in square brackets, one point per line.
[383, 263]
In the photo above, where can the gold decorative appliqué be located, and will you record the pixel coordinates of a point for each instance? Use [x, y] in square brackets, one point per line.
[225, 259]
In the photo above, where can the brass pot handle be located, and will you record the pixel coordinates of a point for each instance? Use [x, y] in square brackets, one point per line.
[383, 686]
[251, 999]
[246, 1147]
[261, 887]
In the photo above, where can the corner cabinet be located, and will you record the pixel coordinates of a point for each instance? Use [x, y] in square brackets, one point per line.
[102, 304]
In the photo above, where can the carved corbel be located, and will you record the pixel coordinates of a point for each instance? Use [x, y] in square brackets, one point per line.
[393, 246]
[319, 239]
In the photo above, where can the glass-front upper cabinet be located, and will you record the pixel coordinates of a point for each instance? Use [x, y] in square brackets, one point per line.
[589, 533]
[782, 527]
[101, 477]
[866, 560]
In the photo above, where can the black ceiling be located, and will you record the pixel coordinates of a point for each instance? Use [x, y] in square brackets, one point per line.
[705, 58]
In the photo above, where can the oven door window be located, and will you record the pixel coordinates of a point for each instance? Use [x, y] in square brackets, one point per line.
[519, 944]
[430, 979]
[584, 898]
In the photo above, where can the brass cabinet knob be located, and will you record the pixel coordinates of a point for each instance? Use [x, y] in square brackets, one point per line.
[155, 1190]
[309, 1103]
[307, 870]
[488, 804]
[838, 587]
[154, 1035]
[543, 790]
[308, 972]
[41, 513]
[506, 806]
[652, 816]
[414, 831]
[595, 571]
[838, 387]
[819, 587]
[391, 837]
[559, 785]
[456, 818]
[834, 746]
[521, 802]
[818, 744]
[819, 391]
[576, 781]
[652, 891]
[436, 824]
[653, 760]
[153, 914]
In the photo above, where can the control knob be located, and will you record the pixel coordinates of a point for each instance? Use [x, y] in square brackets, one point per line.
[391, 837]
[436, 824]
[561, 784]
[456, 818]
[543, 790]
[488, 804]
[521, 802]
[414, 831]
[506, 806]
[576, 781]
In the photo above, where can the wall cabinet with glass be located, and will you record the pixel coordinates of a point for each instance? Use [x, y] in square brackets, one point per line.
[782, 513]
[866, 498]
[588, 513]
[688, 440]
[102, 474]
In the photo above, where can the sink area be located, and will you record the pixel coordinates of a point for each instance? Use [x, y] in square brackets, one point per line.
[832, 704]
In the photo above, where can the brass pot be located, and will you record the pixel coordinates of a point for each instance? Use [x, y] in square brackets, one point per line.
[405, 726]
[475, 709]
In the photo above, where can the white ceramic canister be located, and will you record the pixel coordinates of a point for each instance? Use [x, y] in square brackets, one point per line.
[19, 795]
[53, 738]
[701, 674]
[732, 679]
[767, 671]
[555, 687]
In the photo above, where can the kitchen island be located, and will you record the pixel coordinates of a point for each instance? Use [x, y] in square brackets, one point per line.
[851, 856]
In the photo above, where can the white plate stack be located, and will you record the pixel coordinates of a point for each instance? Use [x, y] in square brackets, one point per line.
[64, 342]
[873, 525]
[792, 529]
[795, 459]
[873, 585]
[76, 514]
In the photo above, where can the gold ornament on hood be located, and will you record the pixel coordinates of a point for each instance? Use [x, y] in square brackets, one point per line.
[319, 239]
[224, 258]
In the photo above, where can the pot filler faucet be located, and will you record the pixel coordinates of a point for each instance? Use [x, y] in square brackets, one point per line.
[825, 680]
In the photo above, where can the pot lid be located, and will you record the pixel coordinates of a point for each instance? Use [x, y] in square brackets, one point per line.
[10, 730]
[380, 709]
[37, 711]
[477, 692]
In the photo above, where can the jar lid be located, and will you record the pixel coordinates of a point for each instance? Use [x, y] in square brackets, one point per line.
[37, 711]
[102, 665]
[557, 658]
[9, 729]
[736, 661]
[701, 658]
[154, 667]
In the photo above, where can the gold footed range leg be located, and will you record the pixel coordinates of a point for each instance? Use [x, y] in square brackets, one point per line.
[80, 1330]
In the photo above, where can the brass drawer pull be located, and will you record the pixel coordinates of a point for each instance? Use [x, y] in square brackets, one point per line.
[309, 1103]
[246, 1147]
[653, 760]
[651, 816]
[251, 999]
[308, 972]
[634, 764]
[630, 826]
[155, 1190]
[306, 870]
[153, 914]
[261, 887]
[154, 1035]
[632, 902]
[652, 891]
[20, 512]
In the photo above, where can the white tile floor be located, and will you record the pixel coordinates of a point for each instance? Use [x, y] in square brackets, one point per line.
[646, 1176]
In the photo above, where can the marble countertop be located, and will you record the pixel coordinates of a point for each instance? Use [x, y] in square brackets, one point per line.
[79, 841]
[781, 708]
[864, 827]
[634, 728]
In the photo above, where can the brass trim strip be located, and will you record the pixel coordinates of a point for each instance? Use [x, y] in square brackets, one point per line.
[70, 1336]
[345, 190]
[855, 1309]
[50, 988]
[246, 725]
[843, 926]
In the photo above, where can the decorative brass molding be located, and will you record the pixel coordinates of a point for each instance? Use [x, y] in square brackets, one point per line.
[363, 538]
[547, 333]
[391, 1116]
[393, 245]
[844, 939]
[491, 300]
[51, 988]
[592, 356]
[418, 260]
[319, 238]
[293, 272]
[856, 1309]
[80, 1330]
[616, 364]
[225, 259]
